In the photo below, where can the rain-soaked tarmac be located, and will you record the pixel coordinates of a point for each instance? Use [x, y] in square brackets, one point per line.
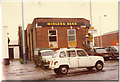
[17, 71]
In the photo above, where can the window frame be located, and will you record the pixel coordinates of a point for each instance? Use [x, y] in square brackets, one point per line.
[70, 51]
[64, 56]
[81, 55]
[71, 35]
[53, 35]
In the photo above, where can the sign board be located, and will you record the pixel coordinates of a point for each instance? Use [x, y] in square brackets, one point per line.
[62, 24]
[91, 27]
[71, 43]
[53, 44]
[92, 31]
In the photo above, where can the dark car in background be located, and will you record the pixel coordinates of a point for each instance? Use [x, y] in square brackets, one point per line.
[104, 53]
[113, 50]
[110, 52]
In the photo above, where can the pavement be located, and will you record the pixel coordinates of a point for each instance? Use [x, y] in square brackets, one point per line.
[17, 71]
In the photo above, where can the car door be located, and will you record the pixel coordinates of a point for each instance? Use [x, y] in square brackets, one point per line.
[83, 59]
[63, 58]
[72, 58]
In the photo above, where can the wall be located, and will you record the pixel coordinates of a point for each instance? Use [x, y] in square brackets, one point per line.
[4, 43]
[20, 42]
[107, 39]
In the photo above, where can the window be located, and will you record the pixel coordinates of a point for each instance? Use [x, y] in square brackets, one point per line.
[81, 53]
[113, 49]
[71, 54]
[101, 50]
[48, 53]
[52, 35]
[62, 55]
[71, 38]
[71, 35]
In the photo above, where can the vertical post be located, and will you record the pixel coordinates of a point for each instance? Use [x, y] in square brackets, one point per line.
[90, 13]
[91, 26]
[24, 62]
[100, 31]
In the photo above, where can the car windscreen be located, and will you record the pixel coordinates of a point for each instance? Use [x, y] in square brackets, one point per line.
[102, 50]
[48, 53]
[55, 54]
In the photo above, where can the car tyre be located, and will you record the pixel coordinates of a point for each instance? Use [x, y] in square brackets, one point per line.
[57, 71]
[89, 68]
[63, 70]
[99, 66]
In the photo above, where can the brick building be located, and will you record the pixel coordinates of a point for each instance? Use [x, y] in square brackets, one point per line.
[20, 42]
[108, 39]
[56, 33]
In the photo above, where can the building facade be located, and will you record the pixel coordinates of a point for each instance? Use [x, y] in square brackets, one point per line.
[20, 42]
[108, 39]
[56, 33]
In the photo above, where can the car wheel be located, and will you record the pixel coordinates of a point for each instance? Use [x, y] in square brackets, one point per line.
[89, 68]
[63, 69]
[57, 71]
[99, 66]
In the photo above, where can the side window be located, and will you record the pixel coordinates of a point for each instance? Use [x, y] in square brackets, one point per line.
[81, 53]
[107, 49]
[62, 55]
[113, 49]
[71, 53]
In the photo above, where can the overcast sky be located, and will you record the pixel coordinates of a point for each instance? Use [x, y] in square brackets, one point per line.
[12, 13]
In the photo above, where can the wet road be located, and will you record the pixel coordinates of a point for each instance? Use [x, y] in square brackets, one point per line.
[17, 71]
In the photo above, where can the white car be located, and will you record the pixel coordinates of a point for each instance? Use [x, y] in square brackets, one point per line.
[46, 57]
[64, 59]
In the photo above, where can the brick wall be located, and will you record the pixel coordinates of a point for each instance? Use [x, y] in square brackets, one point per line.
[107, 39]
[20, 42]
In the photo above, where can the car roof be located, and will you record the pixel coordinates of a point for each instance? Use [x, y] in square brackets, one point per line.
[45, 50]
[70, 49]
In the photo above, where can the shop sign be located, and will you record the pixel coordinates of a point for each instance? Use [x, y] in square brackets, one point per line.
[53, 44]
[62, 24]
[72, 44]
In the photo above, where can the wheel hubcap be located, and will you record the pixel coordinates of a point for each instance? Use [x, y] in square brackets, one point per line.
[99, 66]
[64, 70]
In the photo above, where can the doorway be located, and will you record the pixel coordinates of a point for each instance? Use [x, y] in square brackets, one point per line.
[11, 53]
